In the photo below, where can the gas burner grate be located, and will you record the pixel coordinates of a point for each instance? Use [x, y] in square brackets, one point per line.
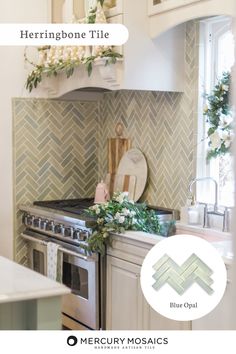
[74, 206]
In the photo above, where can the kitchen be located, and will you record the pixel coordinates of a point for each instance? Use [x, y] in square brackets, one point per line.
[58, 156]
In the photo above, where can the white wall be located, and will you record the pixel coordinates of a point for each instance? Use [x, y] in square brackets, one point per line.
[12, 79]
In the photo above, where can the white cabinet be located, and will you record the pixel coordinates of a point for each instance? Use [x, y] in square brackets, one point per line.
[125, 301]
[66, 10]
[126, 307]
[165, 14]
[114, 7]
[158, 6]
[221, 317]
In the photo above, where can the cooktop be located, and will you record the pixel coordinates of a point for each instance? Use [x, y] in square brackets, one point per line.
[74, 206]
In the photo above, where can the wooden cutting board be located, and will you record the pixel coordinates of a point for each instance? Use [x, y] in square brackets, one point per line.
[134, 163]
[117, 147]
[121, 183]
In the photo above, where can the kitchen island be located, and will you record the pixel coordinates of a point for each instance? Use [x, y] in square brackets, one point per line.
[28, 300]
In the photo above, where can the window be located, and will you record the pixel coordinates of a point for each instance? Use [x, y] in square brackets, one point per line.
[216, 55]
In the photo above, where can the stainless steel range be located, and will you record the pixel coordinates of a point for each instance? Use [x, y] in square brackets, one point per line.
[65, 223]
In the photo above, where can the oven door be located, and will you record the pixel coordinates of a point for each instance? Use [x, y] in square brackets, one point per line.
[81, 276]
[79, 272]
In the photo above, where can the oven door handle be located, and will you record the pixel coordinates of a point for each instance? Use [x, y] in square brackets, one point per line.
[61, 249]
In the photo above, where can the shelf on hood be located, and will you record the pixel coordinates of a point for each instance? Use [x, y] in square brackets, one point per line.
[103, 78]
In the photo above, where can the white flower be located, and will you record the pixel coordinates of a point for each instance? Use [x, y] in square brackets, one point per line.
[120, 197]
[121, 219]
[205, 108]
[117, 216]
[126, 212]
[225, 87]
[225, 121]
[215, 140]
[227, 138]
[100, 221]
[133, 212]
[96, 208]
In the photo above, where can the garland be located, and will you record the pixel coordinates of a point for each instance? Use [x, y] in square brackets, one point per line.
[54, 59]
[218, 115]
[117, 215]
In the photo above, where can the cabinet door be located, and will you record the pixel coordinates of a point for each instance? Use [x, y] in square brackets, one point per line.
[152, 320]
[126, 307]
[124, 295]
[221, 317]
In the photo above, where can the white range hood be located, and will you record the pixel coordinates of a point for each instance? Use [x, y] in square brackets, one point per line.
[148, 64]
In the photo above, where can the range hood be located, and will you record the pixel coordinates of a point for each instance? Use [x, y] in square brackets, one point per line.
[147, 64]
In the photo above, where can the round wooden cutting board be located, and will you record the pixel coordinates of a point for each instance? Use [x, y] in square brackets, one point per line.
[134, 163]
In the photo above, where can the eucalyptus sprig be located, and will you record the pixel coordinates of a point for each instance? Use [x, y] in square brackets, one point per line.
[116, 216]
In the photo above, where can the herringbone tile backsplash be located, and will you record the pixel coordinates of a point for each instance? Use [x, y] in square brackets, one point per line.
[60, 147]
[55, 153]
[163, 126]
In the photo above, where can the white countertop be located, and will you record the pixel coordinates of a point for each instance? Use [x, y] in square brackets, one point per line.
[223, 246]
[141, 236]
[222, 241]
[19, 283]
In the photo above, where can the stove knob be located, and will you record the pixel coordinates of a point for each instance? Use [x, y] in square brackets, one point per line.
[58, 228]
[32, 220]
[29, 220]
[51, 226]
[76, 234]
[69, 231]
[63, 230]
[44, 224]
[37, 222]
[83, 235]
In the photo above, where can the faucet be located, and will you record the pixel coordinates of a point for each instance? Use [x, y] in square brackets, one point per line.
[215, 210]
[193, 181]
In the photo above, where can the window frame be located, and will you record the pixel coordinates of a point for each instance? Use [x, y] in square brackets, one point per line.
[210, 30]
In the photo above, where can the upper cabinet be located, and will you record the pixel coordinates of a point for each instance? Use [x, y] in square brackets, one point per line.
[113, 7]
[165, 14]
[65, 10]
[158, 6]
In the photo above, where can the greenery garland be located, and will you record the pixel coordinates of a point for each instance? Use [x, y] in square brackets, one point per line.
[218, 115]
[54, 67]
[117, 215]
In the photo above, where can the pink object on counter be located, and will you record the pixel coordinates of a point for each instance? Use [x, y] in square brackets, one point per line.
[101, 193]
